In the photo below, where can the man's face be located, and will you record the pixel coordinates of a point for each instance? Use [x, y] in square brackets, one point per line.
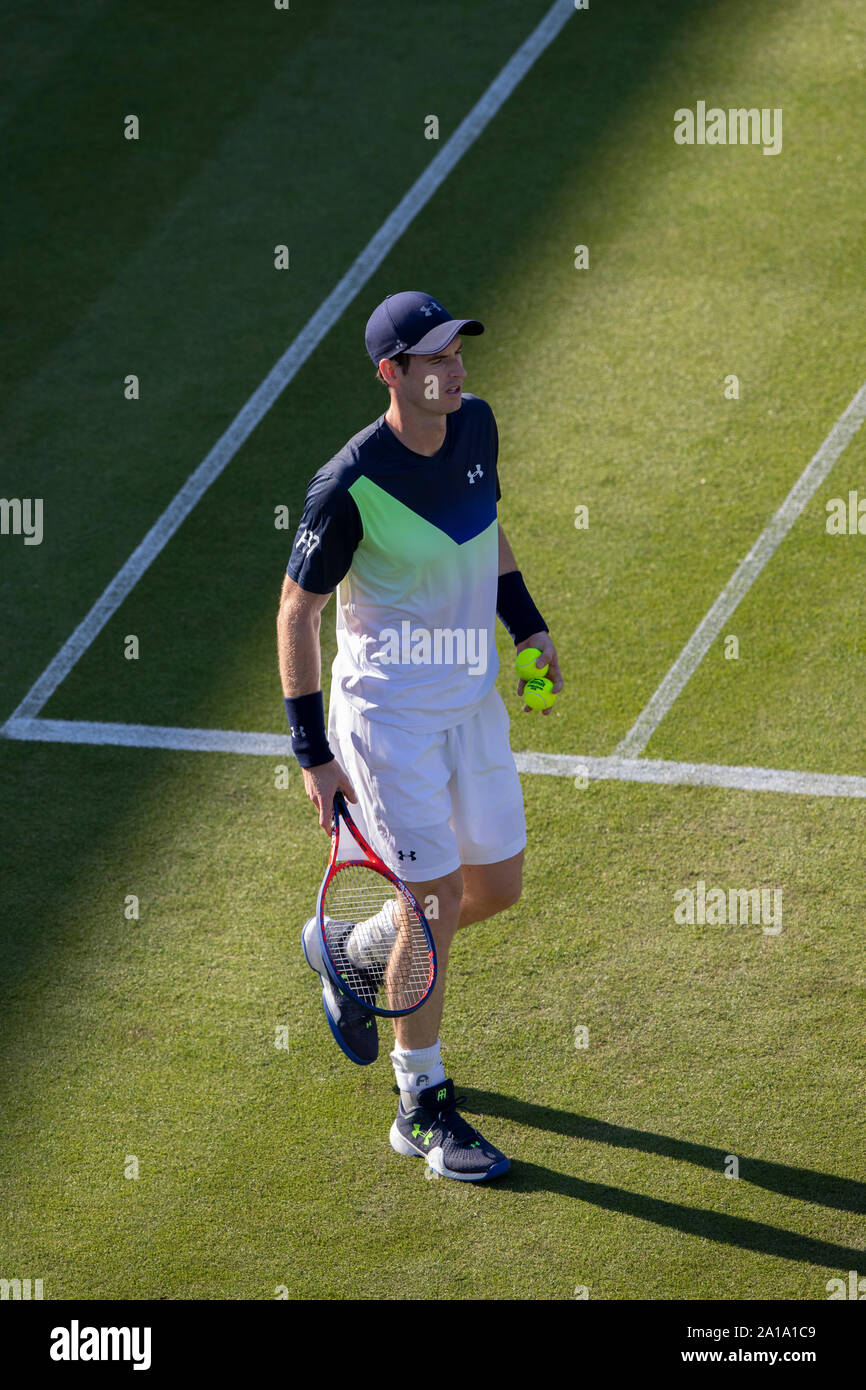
[433, 383]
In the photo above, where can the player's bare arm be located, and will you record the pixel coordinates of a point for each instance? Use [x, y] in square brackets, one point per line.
[541, 640]
[300, 657]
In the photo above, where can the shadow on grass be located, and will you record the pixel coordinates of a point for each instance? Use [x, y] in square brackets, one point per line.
[824, 1189]
[694, 1221]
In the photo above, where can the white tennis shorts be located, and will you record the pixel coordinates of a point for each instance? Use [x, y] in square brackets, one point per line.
[431, 802]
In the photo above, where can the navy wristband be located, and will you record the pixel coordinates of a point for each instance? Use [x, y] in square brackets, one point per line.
[307, 722]
[516, 609]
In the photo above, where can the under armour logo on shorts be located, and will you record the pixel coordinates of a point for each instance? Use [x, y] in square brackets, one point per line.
[479, 473]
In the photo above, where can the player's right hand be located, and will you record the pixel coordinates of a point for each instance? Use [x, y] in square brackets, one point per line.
[321, 785]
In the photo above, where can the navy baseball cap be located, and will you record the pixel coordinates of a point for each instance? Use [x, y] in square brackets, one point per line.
[415, 323]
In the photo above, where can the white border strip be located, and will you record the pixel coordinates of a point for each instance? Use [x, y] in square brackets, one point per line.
[744, 577]
[613, 769]
[281, 374]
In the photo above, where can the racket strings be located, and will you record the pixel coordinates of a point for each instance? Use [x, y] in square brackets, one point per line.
[376, 938]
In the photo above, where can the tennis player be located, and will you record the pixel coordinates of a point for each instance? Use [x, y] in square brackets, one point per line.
[402, 523]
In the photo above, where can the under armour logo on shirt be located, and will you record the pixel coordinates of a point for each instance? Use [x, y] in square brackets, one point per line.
[307, 540]
[401, 855]
[479, 473]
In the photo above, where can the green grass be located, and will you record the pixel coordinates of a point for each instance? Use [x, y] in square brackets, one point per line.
[261, 1167]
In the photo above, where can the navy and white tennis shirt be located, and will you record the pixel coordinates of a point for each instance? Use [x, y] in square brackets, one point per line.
[411, 545]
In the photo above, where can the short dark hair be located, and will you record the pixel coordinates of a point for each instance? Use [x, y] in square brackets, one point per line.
[403, 360]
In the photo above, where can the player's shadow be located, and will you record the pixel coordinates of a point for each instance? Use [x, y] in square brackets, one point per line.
[825, 1189]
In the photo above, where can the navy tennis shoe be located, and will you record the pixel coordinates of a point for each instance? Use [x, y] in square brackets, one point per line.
[434, 1131]
[353, 1027]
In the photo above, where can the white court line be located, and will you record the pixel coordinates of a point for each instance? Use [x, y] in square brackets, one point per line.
[672, 774]
[294, 357]
[550, 764]
[148, 736]
[744, 577]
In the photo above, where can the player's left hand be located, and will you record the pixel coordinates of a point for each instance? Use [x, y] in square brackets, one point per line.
[544, 643]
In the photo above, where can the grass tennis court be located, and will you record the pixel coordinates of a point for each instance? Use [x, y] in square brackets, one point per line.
[262, 1168]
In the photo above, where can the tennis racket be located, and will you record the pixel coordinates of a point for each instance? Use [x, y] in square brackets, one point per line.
[377, 946]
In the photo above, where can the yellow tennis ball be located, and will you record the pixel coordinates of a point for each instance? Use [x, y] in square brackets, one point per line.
[538, 693]
[526, 667]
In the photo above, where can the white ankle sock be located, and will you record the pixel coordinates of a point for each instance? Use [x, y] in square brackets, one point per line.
[415, 1070]
[369, 943]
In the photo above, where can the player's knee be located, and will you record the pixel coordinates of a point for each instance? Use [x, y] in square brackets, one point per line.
[513, 895]
[444, 902]
[504, 898]
[507, 891]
